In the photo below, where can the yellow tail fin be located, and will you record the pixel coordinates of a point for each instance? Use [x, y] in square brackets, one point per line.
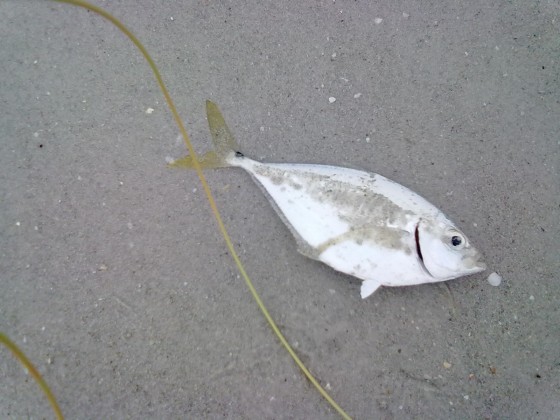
[225, 145]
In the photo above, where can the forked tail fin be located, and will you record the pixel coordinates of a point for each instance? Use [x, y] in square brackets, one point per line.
[225, 145]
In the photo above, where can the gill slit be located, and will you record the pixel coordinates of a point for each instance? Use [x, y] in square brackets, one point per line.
[419, 249]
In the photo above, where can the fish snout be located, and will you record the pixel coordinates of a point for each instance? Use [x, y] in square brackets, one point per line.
[480, 266]
[474, 262]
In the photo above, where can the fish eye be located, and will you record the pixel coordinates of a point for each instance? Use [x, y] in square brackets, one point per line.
[456, 240]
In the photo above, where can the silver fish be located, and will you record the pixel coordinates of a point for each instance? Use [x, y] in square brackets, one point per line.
[358, 223]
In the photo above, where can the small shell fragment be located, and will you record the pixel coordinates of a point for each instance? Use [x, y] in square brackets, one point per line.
[494, 279]
[332, 99]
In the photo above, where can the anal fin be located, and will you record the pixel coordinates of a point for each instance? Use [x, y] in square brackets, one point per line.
[368, 287]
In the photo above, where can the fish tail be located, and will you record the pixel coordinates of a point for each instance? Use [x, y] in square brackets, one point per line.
[225, 146]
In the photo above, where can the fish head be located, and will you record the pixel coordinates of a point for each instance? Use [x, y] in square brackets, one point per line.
[445, 251]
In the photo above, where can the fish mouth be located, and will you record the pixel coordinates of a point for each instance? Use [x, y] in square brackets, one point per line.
[473, 261]
[476, 265]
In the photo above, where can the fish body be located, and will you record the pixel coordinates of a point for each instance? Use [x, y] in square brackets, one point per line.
[357, 222]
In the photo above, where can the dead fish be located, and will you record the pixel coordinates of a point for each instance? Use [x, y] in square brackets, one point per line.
[356, 222]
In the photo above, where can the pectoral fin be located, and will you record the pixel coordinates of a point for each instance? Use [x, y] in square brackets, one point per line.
[368, 287]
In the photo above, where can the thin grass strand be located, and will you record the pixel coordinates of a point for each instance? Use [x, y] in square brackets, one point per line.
[209, 196]
[20, 355]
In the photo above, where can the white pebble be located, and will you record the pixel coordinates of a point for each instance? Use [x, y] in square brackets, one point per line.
[378, 21]
[357, 95]
[149, 110]
[494, 279]
[332, 99]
